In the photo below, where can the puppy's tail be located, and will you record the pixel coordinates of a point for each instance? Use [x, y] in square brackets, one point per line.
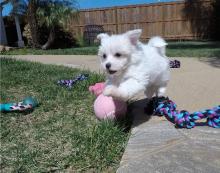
[159, 43]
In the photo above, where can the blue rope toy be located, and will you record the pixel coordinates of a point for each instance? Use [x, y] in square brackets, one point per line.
[70, 82]
[183, 119]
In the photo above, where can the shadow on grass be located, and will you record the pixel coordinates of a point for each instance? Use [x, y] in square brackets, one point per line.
[217, 54]
[194, 45]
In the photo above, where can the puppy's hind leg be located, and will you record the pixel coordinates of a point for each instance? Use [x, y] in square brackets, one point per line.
[161, 91]
[150, 91]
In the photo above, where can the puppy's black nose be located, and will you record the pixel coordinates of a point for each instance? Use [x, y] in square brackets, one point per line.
[108, 65]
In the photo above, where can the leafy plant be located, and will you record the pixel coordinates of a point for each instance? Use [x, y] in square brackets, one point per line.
[54, 13]
[80, 41]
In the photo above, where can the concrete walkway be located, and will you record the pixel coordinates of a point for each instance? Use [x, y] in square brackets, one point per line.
[155, 145]
[75, 61]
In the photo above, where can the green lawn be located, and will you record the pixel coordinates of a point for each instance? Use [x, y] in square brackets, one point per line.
[174, 49]
[62, 133]
[193, 49]
[68, 51]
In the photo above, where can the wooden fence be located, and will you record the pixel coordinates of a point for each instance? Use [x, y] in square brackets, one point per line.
[189, 19]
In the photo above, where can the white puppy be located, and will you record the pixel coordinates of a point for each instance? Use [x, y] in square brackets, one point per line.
[133, 67]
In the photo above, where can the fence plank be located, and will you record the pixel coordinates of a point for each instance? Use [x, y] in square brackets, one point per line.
[172, 20]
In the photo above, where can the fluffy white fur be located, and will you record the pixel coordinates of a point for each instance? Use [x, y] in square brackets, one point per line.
[133, 67]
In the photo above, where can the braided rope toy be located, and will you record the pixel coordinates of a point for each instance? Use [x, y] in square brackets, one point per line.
[28, 103]
[175, 64]
[183, 119]
[70, 82]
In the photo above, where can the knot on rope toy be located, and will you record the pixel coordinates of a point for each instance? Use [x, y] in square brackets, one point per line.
[183, 119]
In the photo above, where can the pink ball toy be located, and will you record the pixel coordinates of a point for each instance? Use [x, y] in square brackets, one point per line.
[109, 108]
[97, 89]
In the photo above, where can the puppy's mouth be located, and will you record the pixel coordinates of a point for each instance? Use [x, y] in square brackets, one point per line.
[112, 71]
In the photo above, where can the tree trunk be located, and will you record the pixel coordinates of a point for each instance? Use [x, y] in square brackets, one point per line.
[32, 21]
[3, 37]
[20, 41]
[50, 40]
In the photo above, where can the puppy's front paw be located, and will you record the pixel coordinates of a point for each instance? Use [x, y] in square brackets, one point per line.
[109, 90]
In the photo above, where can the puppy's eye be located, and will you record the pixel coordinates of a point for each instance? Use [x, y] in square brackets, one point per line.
[118, 55]
[104, 56]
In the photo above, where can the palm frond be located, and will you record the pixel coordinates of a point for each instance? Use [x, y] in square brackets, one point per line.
[55, 12]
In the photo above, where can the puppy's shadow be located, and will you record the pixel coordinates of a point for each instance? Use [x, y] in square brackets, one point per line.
[140, 111]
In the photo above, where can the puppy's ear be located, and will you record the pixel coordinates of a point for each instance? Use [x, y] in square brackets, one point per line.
[134, 35]
[101, 36]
